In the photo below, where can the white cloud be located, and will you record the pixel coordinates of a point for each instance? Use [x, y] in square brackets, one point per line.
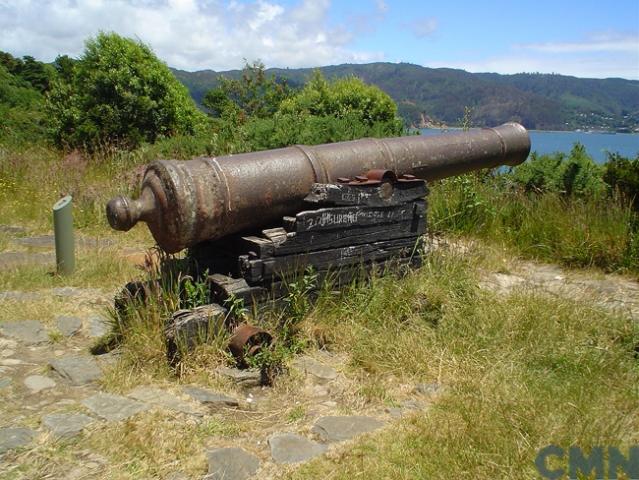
[600, 56]
[596, 43]
[189, 34]
[578, 67]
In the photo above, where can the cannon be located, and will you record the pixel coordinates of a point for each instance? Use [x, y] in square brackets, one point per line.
[252, 221]
[185, 203]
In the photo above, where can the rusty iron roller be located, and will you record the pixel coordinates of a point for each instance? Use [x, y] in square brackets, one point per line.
[187, 202]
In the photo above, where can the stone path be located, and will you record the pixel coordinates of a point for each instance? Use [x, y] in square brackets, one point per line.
[11, 438]
[113, 407]
[27, 331]
[51, 390]
[22, 248]
[84, 296]
[46, 379]
[292, 448]
[48, 242]
[79, 370]
[64, 425]
[231, 464]
[37, 383]
[612, 292]
[11, 260]
[337, 429]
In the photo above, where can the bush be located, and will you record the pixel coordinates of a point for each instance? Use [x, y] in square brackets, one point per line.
[21, 118]
[576, 174]
[120, 93]
[258, 112]
[547, 222]
[622, 175]
[345, 97]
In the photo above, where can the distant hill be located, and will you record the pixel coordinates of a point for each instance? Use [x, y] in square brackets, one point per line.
[438, 95]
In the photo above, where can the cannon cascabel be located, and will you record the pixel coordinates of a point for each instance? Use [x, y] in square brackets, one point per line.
[187, 202]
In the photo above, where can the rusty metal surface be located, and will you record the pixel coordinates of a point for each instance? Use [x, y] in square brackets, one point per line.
[185, 203]
[248, 341]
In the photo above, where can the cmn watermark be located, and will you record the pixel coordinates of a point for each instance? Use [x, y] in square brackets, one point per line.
[555, 463]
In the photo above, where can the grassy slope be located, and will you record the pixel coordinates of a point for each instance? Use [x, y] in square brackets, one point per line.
[521, 372]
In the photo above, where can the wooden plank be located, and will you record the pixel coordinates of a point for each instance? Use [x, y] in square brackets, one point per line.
[275, 234]
[259, 269]
[261, 246]
[306, 242]
[343, 217]
[223, 287]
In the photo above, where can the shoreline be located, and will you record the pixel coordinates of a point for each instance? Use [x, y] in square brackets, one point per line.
[587, 132]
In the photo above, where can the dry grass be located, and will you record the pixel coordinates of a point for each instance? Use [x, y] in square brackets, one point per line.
[103, 269]
[521, 371]
[152, 445]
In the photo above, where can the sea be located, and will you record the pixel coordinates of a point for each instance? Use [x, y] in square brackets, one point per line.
[597, 143]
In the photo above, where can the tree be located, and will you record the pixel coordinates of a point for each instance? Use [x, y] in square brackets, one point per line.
[344, 97]
[254, 94]
[36, 74]
[119, 93]
[10, 63]
[21, 118]
[258, 111]
[65, 66]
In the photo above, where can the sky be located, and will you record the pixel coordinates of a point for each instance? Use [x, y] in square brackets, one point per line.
[584, 38]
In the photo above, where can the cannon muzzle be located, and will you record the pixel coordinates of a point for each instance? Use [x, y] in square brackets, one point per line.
[187, 202]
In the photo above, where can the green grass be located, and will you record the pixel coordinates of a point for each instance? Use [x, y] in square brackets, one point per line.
[584, 231]
[102, 269]
[520, 372]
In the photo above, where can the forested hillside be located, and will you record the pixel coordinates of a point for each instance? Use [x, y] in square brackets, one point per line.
[427, 95]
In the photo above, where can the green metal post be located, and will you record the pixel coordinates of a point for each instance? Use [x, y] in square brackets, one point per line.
[64, 240]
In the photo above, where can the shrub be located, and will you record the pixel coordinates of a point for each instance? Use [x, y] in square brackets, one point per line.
[120, 93]
[622, 175]
[21, 118]
[344, 98]
[575, 174]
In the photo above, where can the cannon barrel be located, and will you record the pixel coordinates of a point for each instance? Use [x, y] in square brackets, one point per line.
[187, 202]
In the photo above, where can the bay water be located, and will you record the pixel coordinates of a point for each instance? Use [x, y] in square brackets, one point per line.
[597, 143]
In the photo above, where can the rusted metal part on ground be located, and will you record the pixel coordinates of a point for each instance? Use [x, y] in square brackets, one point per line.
[247, 341]
[185, 203]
